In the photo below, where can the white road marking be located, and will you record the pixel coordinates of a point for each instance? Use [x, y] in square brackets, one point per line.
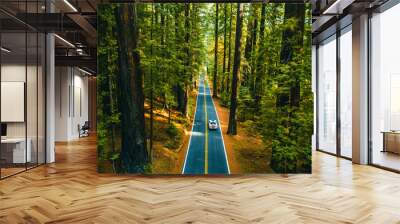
[191, 133]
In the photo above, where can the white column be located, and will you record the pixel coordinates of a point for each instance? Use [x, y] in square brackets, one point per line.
[360, 90]
[50, 93]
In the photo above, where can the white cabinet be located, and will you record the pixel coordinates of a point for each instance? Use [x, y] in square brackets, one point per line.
[19, 155]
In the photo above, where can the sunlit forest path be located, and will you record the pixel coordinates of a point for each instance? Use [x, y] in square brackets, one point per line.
[206, 151]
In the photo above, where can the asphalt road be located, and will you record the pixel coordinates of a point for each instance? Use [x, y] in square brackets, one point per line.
[206, 151]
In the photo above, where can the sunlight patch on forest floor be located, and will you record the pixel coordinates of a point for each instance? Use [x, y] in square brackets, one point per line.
[246, 152]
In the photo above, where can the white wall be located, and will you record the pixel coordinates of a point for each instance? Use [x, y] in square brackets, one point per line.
[61, 103]
[71, 102]
[80, 109]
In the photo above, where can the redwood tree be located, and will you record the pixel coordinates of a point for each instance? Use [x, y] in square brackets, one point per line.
[232, 129]
[229, 50]
[134, 155]
[224, 60]
[215, 52]
[260, 68]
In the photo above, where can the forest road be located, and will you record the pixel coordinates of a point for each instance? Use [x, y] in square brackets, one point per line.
[206, 151]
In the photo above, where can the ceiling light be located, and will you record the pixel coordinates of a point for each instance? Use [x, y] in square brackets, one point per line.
[5, 50]
[337, 7]
[84, 71]
[70, 5]
[80, 51]
[65, 41]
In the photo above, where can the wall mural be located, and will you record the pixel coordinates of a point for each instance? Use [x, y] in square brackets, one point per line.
[189, 88]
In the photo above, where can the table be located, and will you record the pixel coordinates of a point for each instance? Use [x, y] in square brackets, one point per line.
[391, 141]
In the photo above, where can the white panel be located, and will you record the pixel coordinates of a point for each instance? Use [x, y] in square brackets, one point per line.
[76, 120]
[395, 102]
[12, 101]
[77, 101]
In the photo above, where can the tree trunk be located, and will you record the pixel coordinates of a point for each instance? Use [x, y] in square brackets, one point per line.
[187, 42]
[250, 44]
[169, 115]
[162, 43]
[179, 87]
[187, 65]
[133, 144]
[260, 71]
[229, 52]
[273, 24]
[151, 87]
[224, 62]
[232, 129]
[215, 52]
[253, 68]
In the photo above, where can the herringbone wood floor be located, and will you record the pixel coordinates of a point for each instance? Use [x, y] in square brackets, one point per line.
[71, 191]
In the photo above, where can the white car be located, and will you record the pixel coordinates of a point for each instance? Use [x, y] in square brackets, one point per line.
[212, 124]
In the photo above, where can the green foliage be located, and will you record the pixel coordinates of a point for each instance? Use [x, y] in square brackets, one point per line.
[172, 131]
[225, 99]
[264, 77]
[107, 112]
[290, 127]
[174, 137]
[250, 127]
[114, 156]
[176, 44]
[247, 107]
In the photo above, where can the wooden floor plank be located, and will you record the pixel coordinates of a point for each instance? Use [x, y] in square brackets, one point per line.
[71, 191]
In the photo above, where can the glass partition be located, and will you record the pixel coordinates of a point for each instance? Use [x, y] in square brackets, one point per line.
[31, 99]
[327, 95]
[385, 89]
[22, 88]
[14, 145]
[41, 96]
[346, 92]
